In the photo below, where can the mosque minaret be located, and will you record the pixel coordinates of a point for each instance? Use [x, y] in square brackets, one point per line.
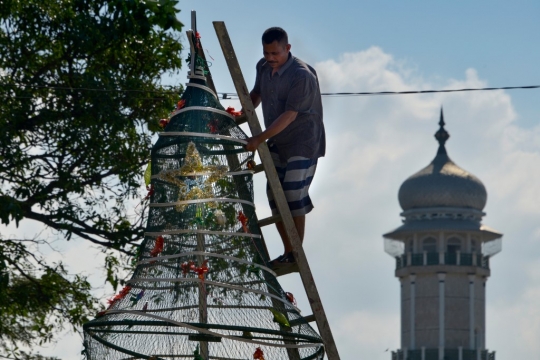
[442, 254]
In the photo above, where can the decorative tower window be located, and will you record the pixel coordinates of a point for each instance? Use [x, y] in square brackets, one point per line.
[410, 246]
[453, 245]
[474, 247]
[429, 245]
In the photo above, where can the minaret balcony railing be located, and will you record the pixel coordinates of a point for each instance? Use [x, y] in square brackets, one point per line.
[449, 354]
[447, 258]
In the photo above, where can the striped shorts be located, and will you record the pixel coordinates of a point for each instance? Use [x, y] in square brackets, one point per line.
[295, 175]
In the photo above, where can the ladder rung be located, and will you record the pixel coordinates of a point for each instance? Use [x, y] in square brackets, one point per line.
[286, 269]
[258, 168]
[269, 220]
[308, 319]
[241, 119]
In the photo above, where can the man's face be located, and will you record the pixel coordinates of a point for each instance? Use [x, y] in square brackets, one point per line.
[276, 54]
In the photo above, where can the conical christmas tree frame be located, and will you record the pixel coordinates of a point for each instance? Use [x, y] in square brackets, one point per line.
[201, 288]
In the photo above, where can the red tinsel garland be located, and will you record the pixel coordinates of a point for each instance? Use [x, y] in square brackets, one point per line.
[213, 127]
[122, 294]
[164, 122]
[201, 270]
[197, 40]
[291, 298]
[244, 220]
[150, 189]
[258, 355]
[158, 247]
[190, 266]
[186, 267]
[233, 112]
[180, 104]
[251, 164]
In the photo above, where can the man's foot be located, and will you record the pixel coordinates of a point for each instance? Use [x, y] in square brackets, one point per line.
[283, 260]
[288, 258]
[276, 260]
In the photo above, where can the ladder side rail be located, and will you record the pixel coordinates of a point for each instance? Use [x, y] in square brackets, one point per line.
[279, 196]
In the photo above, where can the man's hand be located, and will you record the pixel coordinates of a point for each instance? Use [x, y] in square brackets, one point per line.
[275, 128]
[253, 143]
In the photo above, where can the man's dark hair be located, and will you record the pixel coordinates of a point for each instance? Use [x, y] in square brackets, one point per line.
[275, 34]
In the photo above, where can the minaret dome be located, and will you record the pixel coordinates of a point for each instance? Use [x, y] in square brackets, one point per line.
[442, 183]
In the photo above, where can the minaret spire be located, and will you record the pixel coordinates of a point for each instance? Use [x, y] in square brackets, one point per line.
[439, 202]
[442, 135]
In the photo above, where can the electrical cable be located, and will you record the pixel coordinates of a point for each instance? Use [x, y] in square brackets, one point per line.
[227, 96]
[233, 96]
[94, 89]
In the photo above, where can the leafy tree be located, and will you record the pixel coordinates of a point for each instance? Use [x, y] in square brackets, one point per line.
[79, 100]
[36, 298]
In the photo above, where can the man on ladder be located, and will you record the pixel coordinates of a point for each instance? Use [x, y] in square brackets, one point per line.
[292, 107]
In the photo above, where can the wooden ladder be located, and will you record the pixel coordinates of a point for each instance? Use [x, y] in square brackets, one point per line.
[319, 316]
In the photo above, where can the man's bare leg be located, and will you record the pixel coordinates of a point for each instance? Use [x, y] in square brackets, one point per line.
[300, 224]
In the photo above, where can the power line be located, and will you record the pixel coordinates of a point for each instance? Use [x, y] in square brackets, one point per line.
[430, 91]
[228, 96]
[232, 96]
[68, 88]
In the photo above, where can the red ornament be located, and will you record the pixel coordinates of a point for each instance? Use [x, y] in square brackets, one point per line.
[164, 122]
[291, 298]
[244, 220]
[158, 247]
[180, 104]
[233, 112]
[258, 354]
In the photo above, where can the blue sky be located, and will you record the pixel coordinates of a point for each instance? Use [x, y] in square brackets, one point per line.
[375, 143]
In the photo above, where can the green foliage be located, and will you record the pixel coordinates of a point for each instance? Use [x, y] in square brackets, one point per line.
[26, 356]
[37, 299]
[80, 100]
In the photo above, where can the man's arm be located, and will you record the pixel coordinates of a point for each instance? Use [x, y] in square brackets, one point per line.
[255, 98]
[275, 128]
